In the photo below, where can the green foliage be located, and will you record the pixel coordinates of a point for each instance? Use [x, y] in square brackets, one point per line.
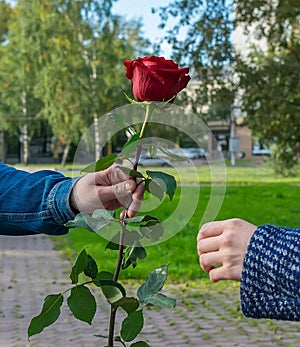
[96, 222]
[82, 303]
[132, 325]
[165, 181]
[79, 266]
[148, 292]
[273, 102]
[137, 251]
[113, 291]
[154, 282]
[101, 164]
[49, 314]
[285, 158]
[128, 304]
[91, 268]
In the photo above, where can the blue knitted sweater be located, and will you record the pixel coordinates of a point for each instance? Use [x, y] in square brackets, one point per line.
[270, 282]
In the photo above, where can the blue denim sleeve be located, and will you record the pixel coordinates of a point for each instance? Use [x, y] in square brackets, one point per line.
[270, 282]
[34, 202]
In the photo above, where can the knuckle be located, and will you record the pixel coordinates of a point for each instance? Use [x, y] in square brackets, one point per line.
[234, 223]
[228, 239]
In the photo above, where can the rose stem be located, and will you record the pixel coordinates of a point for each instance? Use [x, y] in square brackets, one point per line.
[149, 110]
[113, 310]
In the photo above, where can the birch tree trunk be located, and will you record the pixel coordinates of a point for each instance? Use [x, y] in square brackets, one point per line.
[97, 137]
[24, 132]
[65, 154]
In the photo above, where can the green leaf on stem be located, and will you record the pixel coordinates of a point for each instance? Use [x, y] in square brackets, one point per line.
[101, 164]
[91, 270]
[131, 145]
[140, 219]
[79, 266]
[153, 230]
[130, 172]
[140, 251]
[166, 181]
[130, 258]
[112, 290]
[158, 299]
[128, 304]
[113, 244]
[49, 314]
[154, 282]
[154, 188]
[97, 221]
[104, 275]
[140, 344]
[148, 292]
[82, 303]
[137, 251]
[132, 325]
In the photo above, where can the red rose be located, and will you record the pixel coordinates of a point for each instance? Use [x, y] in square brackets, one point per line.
[155, 78]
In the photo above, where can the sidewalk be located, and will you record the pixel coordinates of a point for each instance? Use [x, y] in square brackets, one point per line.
[30, 269]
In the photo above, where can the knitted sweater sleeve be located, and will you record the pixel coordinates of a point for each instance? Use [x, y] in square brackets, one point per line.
[270, 282]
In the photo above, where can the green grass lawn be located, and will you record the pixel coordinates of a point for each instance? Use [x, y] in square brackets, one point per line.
[255, 194]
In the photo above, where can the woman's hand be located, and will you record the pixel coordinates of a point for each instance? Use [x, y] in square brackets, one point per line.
[222, 246]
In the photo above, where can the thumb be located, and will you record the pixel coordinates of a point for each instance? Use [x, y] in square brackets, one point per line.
[123, 189]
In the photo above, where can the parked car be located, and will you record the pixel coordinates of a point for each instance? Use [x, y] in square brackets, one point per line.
[259, 149]
[188, 153]
[195, 153]
[153, 161]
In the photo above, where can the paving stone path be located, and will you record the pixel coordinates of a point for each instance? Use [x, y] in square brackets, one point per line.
[30, 269]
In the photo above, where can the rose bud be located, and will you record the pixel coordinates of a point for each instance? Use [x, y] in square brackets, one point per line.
[155, 78]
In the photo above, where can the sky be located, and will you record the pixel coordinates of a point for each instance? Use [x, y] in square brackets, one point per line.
[142, 9]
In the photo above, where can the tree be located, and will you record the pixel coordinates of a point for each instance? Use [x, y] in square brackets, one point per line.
[267, 79]
[270, 77]
[17, 74]
[61, 63]
[81, 77]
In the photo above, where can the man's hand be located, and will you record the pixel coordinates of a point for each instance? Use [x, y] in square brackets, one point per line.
[108, 189]
[222, 247]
